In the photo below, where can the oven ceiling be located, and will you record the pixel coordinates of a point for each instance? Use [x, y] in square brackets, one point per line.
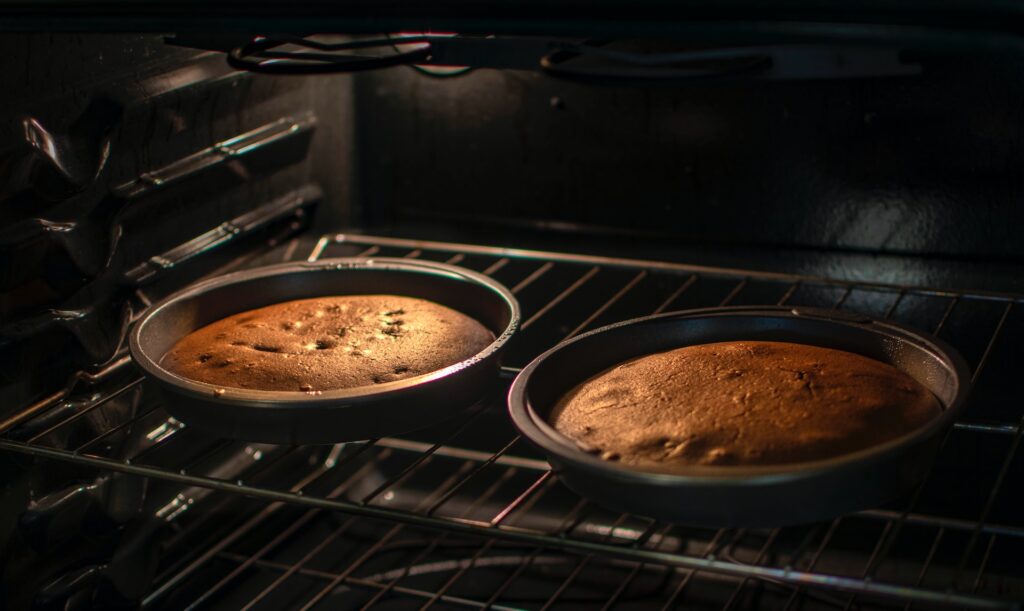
[980, 22]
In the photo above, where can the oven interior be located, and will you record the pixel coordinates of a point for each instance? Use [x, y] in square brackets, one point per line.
[134, 167]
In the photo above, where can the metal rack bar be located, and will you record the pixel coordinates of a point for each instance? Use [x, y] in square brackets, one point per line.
[757, 560]
[572, 288]
[634, 572]
[500, 263]
[261, 470]
[219, 446]
[486, 496]
[711, 548]
[318, 249]
[329, 463]
[85, 411]
[568, 544]
[455, 479]
[49, 401]
[476, 471]
[735, 291]
[422, 458]
[814, 559]
[453, 452]
[554, 542]
[945, 315]
[584, 561]
[881, 548]
[789, 292]
[559, 257]
[139, 417]
[843, 298]
[282, 535]
[397, 528]
[991, 501]
[568, 524]
[896, 302]
[927, 562]
[369, 252]
[675, 294]
[801, 547]
[991, 343]
[981, 427]
[525, 501]
[369, 584]
[162, 442]
[300, 564]
[423, 553]
[486, 547]
[607, 304]
[234, 536]
[537, 273]
[983, 564]
[516, 502]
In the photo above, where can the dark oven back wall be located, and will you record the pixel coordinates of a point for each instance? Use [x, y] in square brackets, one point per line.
[124, 160]
[927, 164]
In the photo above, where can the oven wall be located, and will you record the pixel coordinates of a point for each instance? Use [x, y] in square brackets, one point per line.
[109, 160]
[114, 150]
[924, 164]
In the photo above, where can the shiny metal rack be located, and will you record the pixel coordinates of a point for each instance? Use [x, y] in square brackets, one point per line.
[464, 513]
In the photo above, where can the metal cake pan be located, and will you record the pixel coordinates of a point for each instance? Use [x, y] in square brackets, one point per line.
[336, 415]
[743, 496]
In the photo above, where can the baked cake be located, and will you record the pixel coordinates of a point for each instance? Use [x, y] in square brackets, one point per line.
[741, 403]
[328, 343]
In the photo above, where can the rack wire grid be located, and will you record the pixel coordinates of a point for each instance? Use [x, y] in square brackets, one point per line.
[467, 514]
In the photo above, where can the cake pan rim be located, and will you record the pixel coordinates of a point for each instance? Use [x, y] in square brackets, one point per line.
[275, 399]
[536, 429]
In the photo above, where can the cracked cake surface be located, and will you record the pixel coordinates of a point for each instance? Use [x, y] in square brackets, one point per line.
[741, 403]
[328, 343]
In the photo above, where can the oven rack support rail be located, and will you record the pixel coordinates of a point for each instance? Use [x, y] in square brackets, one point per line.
[636, 548]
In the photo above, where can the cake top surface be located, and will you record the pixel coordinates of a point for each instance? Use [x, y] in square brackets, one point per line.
[741, 403]
[328, 343]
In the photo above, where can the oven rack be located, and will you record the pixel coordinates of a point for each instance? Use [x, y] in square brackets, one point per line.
[922, 551]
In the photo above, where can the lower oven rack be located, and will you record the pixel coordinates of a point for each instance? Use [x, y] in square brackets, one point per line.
[473, 484]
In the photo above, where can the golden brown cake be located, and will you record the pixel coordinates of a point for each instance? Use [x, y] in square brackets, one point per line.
[328, 343]
[741, 403]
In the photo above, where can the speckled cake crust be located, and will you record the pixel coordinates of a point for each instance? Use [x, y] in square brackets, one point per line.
[741, 403]
[328, 343]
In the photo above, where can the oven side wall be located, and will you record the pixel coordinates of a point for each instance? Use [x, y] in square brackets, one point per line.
[117, 149]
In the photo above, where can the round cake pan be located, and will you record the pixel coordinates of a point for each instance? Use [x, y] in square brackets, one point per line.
[335, 415]
[743, 496]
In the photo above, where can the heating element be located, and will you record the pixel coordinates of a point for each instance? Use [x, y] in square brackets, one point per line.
[466, 514]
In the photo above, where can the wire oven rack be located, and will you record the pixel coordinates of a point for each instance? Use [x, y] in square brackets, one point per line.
[466, 514]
